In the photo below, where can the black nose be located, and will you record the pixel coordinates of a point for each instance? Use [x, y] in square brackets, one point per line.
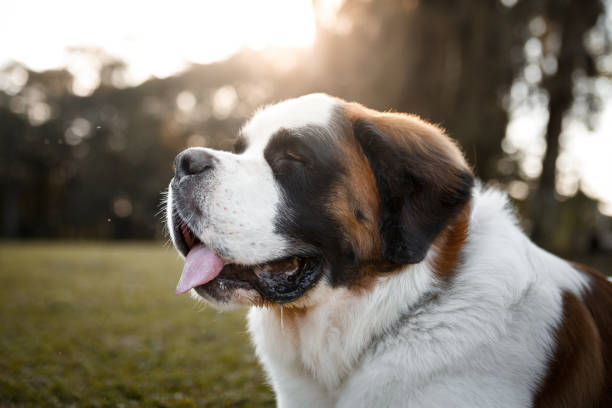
[192, 161]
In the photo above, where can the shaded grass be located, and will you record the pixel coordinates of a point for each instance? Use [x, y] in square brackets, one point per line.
[99, 325]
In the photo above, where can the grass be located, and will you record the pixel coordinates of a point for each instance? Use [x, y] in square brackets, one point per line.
[99, 325]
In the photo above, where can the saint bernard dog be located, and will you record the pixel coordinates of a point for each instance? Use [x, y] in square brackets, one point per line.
[377, 273]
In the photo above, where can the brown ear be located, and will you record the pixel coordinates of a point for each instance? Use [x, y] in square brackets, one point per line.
[422, 180]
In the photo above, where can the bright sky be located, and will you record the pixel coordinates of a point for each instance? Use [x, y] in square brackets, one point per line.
[154, 37]
[162, 37]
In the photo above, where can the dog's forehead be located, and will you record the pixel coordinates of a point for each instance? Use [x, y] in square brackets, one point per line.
[313, 109]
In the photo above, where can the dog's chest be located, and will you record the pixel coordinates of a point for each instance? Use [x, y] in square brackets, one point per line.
[317, 346]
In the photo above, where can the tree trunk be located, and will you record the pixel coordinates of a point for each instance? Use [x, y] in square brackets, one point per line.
[545, 207]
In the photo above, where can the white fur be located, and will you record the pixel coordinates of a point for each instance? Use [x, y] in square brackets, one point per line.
[240, 208]
[312, 109]
[483, 341]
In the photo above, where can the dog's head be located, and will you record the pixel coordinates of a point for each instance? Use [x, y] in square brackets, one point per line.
[318, 192]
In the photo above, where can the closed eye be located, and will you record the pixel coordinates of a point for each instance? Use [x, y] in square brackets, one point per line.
[294, 156]
[287, 153]
[287, 162]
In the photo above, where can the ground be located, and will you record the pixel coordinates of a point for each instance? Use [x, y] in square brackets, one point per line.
[100, 325]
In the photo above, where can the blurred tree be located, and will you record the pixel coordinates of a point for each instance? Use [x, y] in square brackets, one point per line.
[92, 166]
[454, 62]
[567, 22]
[449, 61]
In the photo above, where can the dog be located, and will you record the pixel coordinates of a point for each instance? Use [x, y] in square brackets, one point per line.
[378, 272]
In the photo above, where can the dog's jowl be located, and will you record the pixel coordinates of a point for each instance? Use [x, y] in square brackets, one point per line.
[400, 281]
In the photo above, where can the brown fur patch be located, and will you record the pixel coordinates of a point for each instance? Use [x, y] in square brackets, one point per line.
[355, 203]
[598, 300]
[449, 243]
[291, 317]
[442, 159]
[580, 371]
[417, 135]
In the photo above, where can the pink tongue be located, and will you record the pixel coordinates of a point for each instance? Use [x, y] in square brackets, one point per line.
[201, 266]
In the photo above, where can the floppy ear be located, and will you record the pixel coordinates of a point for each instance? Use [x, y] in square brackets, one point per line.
[422, 180]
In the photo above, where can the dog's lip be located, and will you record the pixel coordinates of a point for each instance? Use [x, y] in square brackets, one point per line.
[273, 279]
[191, 240]
[282, 280]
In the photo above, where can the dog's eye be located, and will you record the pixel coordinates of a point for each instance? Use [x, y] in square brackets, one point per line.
[287, 161]
[293, 156]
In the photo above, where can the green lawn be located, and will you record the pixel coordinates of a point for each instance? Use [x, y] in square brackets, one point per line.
[99, 325]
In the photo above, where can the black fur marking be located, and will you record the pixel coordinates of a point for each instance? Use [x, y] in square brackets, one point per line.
[306, 185]
[414, 208]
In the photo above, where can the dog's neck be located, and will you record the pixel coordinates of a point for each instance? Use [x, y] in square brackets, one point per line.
[326, 339]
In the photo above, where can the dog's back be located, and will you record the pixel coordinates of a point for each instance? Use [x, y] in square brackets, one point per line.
[580, 372]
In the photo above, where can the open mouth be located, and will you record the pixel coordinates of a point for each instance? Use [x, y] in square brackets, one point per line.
[281, 280]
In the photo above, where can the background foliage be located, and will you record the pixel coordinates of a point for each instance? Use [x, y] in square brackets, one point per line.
[93, 167]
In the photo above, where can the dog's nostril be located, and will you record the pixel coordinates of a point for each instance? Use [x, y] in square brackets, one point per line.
[192, 164]
[193, 161]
